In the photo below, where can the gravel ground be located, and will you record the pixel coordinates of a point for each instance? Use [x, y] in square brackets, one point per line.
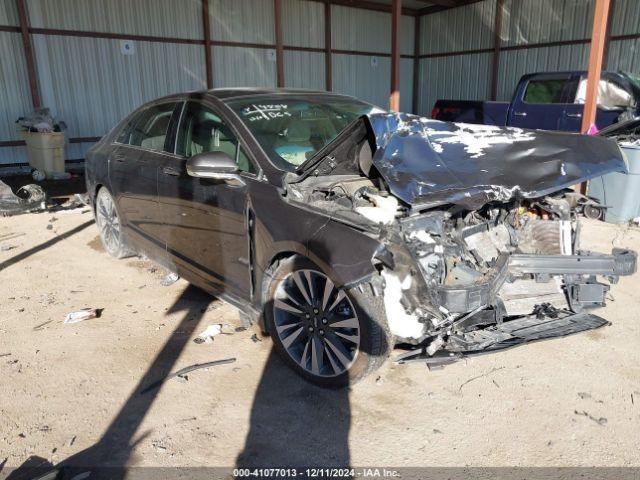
[73, 391]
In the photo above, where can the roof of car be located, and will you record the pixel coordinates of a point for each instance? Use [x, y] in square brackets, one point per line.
[232, 93]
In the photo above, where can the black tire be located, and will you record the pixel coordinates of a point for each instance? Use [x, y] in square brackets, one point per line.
[108, 221]
[592, 212]
[375, 340]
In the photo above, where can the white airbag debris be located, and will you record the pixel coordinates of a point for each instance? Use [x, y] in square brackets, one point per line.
[401, 323]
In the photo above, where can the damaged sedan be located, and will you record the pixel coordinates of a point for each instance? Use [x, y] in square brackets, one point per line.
[343, 230]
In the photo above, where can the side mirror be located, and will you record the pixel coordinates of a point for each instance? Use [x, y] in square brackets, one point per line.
[215, 166]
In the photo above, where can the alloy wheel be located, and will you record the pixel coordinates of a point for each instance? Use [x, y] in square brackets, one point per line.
[316, 323]
[108, 222]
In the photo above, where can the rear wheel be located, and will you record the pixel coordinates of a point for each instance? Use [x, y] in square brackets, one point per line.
[327, 334]
[110, 226]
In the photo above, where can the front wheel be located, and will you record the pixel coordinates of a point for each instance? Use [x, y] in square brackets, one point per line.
[327, 334]
[110, 226]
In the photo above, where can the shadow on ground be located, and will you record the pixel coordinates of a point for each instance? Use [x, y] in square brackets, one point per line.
[293, 423]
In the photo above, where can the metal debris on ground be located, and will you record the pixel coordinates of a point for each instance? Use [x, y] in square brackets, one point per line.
[82, 315]
[41, 326]
[169, 279]
[183, 371]
[28, 198]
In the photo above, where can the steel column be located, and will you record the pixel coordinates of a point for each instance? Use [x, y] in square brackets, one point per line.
[206, 29]
[279, 45]
[396, 15]
[598, 40]
[28, 53]
[328, 65]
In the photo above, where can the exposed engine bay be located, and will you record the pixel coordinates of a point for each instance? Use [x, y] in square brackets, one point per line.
[460, 280]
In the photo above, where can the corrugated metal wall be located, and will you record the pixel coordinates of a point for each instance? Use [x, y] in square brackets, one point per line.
[540, 21]
[625, 54]
[456, 76]
[368, 76]
[140, 17]
[464, 28]
[303, 26]
[528, 22]
[91, 83]
[525, 25]
[15, 99]
[8, 13]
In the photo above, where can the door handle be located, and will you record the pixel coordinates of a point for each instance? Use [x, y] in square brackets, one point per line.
[171, 171]
[119, 158]
[574, 115]
[520, 114]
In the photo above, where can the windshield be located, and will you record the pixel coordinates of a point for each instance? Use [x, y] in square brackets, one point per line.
[292, 129]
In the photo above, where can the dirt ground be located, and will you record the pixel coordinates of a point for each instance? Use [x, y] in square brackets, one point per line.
[73, 392]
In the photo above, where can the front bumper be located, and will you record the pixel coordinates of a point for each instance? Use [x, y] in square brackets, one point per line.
[512, 333]
[578, 270]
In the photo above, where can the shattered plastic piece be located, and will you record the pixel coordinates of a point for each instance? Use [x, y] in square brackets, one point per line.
[170, 279]
[207, 335]
[33, 198]
[38, 175]
[82, 315]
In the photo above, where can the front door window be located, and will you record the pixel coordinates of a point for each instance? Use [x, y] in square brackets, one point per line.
[202, 131]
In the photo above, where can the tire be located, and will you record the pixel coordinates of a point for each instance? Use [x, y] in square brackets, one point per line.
[594, 213]
[110, 227]
[342, 341]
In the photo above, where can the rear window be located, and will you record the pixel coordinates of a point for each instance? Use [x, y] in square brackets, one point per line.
[544, 91]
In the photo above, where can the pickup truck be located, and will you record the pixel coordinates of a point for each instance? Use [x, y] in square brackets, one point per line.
[550, 101]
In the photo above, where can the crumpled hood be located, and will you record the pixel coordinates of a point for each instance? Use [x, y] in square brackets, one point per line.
[428, 162]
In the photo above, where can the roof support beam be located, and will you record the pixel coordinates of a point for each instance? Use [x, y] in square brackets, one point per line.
[328, 62]
[28, 53]
[596, 54]
[497, 40]
[368, 5]
[206, 29]
[439, 8]
[279, 45]
[396, 15]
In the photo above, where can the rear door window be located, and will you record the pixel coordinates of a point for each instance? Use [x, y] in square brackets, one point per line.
[545, 91]
[149, 129]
